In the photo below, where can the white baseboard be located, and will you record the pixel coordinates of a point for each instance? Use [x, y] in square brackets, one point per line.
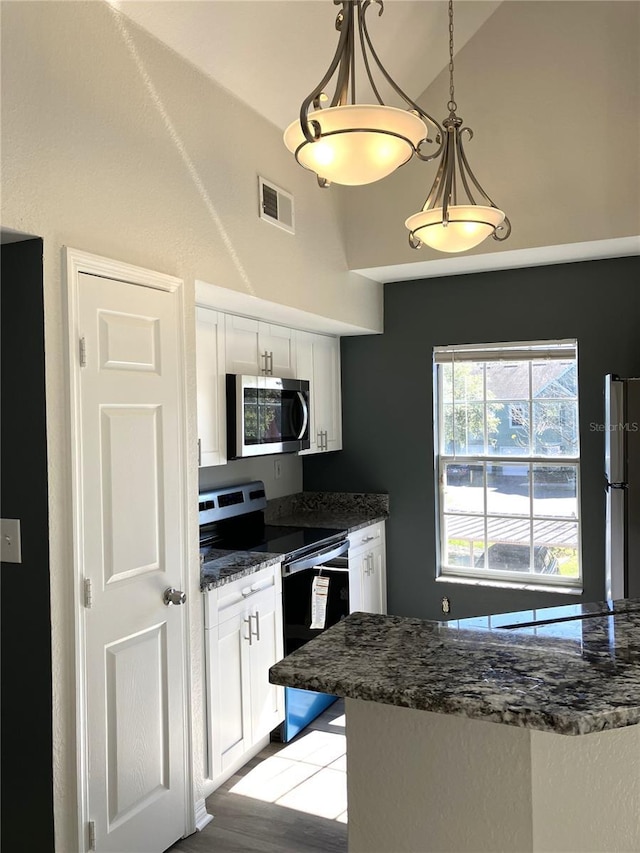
[202, 815]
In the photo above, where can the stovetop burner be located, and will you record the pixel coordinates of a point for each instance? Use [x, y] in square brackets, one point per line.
[233, 519]
[276, 539]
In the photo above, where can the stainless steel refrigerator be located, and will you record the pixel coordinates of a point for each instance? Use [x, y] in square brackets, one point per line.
[622, 473]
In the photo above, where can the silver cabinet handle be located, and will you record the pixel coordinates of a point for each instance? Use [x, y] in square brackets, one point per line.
[173, 596]
[270, 364]
[367, 538]
[257, 618]
[249, 635]
[265, 368]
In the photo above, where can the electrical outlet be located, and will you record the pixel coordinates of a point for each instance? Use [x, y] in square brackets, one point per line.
[446, 604]
[10, 550]
[277, 468]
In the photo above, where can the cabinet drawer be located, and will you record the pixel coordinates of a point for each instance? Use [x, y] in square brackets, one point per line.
[366, 538]
[228, 600]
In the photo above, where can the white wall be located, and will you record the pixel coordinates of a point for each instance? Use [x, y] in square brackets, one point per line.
[243, 470]
[552, 93]
[421, 782]
[113, 145]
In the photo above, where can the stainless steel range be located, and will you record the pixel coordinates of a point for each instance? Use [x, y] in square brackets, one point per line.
[315, 576]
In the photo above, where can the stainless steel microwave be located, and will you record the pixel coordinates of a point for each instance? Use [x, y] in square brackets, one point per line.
[266, 415]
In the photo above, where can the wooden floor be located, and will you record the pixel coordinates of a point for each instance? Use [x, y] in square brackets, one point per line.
[291, 798]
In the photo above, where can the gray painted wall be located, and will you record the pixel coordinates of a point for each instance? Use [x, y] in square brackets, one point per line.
[25, 662]
[387, 408]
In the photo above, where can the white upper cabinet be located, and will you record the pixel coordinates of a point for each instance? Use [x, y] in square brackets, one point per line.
[210, 369]
[226, 343]
[318, 360]
[259, 349]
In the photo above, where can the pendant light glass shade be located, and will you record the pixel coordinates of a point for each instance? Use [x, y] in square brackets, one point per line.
[358, 144]
[351, 143]
[468, 225]
[451, 220]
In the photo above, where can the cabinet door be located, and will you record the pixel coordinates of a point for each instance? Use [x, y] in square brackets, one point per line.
[318, 359]
[327, 394]
[230, 693]
[372, 581]
[278, 344]
[367, 569]
[242, 353]
[267, 700]
[210, 370]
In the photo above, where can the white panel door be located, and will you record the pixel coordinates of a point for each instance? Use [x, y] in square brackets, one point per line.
[132, 550]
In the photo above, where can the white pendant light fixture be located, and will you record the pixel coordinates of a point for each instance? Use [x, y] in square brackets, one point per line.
[347, 142]
[451, 219]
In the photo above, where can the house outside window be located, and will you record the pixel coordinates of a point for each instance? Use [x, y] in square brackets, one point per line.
[508, 463]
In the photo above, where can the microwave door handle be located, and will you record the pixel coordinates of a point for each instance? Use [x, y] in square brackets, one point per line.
[305, 413]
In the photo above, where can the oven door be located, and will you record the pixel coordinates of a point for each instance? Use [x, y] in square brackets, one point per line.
[303, 706]
[266, 415]
[297, 601]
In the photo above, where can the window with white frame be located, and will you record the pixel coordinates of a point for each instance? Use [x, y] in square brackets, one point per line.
[508, 462]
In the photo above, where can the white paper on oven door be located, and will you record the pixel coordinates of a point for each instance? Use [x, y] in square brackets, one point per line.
[319, 595]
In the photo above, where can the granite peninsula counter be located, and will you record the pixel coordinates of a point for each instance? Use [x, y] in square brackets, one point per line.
[460, 742]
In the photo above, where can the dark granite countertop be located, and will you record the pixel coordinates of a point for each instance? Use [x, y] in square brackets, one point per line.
[222, 567]
[577, 674]
[348, 511]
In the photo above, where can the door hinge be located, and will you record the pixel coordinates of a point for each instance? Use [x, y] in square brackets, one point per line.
[92, 835]
[88, 593]
[83, 352]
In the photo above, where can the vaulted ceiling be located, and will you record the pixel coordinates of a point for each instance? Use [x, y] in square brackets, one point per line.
[271, 53]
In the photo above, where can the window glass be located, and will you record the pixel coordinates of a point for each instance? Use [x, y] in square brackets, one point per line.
[508, 458]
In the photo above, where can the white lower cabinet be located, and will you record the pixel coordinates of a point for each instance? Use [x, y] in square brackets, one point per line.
[367, 570]
[244, 638]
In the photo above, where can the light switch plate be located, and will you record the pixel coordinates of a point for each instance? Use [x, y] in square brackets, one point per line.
[10, 549]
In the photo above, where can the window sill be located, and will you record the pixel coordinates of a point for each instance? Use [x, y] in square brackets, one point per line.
[496, 584]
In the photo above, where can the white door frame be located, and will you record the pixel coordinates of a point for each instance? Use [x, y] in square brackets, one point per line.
[77, 262]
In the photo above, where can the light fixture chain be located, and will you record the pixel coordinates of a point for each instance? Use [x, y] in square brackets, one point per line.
[452, 106]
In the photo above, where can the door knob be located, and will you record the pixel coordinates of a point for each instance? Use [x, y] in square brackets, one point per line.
[173, 596]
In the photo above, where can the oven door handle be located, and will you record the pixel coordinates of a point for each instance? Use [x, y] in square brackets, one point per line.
[305, 413]
[316, 559]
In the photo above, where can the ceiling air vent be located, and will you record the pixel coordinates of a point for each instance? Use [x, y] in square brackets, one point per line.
[276, 206]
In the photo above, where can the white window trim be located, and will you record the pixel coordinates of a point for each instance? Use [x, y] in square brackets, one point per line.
[482, 576]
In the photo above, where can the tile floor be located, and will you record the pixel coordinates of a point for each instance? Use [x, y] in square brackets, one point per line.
[291, 798]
